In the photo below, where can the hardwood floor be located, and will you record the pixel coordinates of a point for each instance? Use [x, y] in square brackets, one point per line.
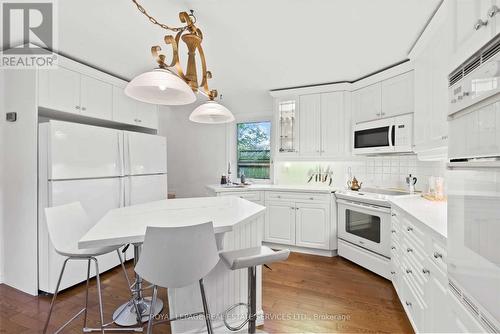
[305, 294]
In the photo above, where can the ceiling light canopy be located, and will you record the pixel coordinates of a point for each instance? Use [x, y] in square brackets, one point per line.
[169, 84]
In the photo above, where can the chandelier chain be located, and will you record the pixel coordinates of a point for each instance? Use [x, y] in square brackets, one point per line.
[155, 21]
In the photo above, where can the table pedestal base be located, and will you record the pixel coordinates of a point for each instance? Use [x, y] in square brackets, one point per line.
[125, 314]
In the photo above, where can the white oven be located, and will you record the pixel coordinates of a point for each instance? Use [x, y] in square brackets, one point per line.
[389, 135]
[365, 225]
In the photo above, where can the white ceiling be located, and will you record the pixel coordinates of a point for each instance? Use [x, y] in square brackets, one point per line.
[251, 46]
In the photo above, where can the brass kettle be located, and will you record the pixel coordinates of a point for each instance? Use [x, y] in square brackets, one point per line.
[354, 184]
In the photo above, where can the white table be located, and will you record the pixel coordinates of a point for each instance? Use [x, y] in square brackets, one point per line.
[237, 224]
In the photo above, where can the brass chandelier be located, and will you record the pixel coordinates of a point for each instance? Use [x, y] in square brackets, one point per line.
[169, 84]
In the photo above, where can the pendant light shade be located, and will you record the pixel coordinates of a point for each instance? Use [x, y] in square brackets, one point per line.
[160, 86]
[211, 112]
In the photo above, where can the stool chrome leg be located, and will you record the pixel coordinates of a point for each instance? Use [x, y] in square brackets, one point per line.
[98, 278]
[152, 309]
[55, 295]
[206, 311]
[252, 299]
[86, 295]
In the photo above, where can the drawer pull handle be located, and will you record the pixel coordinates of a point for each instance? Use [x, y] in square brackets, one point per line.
[438, 255]
[393, 272]
[408, 303]
[77, 107]
[311, 198]
[479, 24]
[409, 250]
[393, 247]
[409, 229]
[426, 271]
[393, 214]
[393, 231]
[137, 120]
[408, 271]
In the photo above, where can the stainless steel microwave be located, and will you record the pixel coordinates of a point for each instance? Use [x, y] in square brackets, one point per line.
[389, 135]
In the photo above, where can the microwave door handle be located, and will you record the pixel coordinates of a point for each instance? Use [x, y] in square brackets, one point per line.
[391, 129]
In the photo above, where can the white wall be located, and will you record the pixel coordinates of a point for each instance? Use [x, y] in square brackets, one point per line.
[197, 153]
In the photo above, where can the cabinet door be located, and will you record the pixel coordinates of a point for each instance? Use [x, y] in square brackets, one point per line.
[309, 125]
[59, 89]
[469, 34]
[334, 131]
[287, 134]
[367, 103]
[496, 16]
[130, 111]
[96, 98]
[312, 225]
[438, 315]
[280, 222]
[397, 95]
[423, 74]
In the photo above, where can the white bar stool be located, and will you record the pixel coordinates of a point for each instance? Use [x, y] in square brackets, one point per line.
[250, 258]
[66, 225]
[174, 257]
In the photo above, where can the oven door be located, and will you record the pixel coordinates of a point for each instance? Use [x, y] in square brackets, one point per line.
[374, 137]
[365, 225]
[474, 234]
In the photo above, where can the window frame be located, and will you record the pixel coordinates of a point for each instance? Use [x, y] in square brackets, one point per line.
[255, 180]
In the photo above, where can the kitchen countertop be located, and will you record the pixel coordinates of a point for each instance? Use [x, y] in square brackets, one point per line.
[128, 225]
[217, 188]
[432, 214]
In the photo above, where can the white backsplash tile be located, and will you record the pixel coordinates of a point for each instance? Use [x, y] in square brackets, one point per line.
[383, 171]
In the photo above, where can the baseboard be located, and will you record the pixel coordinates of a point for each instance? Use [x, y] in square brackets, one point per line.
[297, 249]
[376, 263]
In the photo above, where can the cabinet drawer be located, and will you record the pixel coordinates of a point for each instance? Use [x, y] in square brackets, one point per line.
[413, 232]
[297, 196]
[254, 196]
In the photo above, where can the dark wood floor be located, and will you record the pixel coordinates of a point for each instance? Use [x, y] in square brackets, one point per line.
[305, 294]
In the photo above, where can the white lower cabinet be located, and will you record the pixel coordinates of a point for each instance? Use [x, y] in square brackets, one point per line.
[311, 225]
[419, 274]
[280, 222]
[298, 219]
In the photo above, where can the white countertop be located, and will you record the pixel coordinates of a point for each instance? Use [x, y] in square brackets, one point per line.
[273, 187]
[433, 214]
[128, 225]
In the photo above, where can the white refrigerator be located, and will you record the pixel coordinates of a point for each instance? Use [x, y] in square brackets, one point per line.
[91, 165]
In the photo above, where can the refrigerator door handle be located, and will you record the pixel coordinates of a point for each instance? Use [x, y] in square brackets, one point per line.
[121, 153]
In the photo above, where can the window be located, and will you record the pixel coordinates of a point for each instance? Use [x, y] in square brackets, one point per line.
[254, 149]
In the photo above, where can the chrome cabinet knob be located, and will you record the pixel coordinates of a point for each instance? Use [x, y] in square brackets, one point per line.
[409, 250]
[137, 120]
[408, 271]
[409, 229]
[393, 214]
[393, 231]
[393, 247]
[426, 271]
[393, 272]
[438, 255]
[77, 107]
[479, 24]
[408, 303]
[493, 11]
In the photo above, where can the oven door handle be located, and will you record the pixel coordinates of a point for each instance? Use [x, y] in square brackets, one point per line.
[364, 206]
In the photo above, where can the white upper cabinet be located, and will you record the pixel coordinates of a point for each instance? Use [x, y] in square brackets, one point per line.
[96, 98]
[78, 89]
[130, 111]
[310, 125]
[367, 103]
[431, 91]
[397, 95]
[335, 125]
[59, 89]
[472, 27]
